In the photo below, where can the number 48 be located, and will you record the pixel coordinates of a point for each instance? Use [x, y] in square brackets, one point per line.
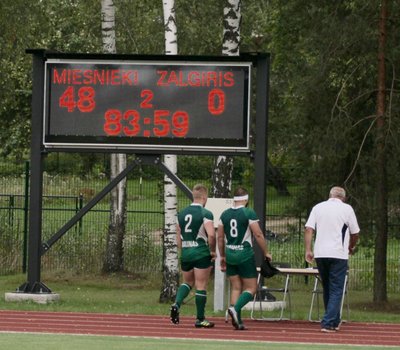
[85, 99]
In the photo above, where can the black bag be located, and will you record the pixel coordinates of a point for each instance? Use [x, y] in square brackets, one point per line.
[267, 270]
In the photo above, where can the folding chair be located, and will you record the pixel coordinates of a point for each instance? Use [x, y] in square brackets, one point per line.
[317, 291]
[261, 304]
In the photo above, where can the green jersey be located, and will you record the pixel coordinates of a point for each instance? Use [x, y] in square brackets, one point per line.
[193, 234]
[238, 236]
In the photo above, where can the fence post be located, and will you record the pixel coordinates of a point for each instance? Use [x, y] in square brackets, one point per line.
[80, 207]
[26, 215]
[11, 202]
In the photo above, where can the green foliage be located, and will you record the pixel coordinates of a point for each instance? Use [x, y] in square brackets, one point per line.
[189, 167]
[195, 167]
[143, 248]
[68, 26]
[139, 27]
[199, 27]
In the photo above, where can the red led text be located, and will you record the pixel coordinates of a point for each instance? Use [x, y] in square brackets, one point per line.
[128, 123]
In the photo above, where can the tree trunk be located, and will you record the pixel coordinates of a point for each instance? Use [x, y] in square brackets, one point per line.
[114, 255]
[380, 287]
[222, 177]
[223, 166]
[170, 249]
[277, 180]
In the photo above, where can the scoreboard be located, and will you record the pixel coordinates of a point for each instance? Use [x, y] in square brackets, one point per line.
[147, 105]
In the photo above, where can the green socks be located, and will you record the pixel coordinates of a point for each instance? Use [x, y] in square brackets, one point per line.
[244, 298]
[201, 299]
[183, 292]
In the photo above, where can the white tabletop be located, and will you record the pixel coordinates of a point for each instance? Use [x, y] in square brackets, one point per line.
[301, 271]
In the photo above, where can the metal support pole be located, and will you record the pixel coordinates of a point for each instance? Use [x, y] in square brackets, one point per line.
[34, 285]
[260, 157]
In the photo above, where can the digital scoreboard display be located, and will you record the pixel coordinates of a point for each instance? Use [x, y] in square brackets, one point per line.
[163, 106]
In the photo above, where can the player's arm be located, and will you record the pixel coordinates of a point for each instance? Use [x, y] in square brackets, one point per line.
[221, 245]
[178, 236]
[209, 226]
[259, 236]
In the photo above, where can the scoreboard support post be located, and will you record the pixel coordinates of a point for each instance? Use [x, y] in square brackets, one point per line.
[34, 284]
[261, 146]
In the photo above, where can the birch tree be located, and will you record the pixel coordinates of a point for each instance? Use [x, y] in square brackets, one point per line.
[113, 260]
[223, 165]
[170, 249]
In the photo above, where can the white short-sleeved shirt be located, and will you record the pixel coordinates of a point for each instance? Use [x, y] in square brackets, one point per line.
[333, 222]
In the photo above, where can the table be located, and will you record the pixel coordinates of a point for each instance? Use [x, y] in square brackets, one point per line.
[288, 272]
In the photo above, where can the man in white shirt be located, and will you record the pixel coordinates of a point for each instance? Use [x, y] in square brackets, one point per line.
[336, 228]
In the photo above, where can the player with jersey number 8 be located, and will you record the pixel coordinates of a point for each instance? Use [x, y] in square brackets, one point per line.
[236, 229]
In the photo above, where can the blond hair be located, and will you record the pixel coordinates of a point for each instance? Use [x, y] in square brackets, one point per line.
[200, 191]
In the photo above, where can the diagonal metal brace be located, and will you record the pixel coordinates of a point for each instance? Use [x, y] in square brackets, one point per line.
[47, 245]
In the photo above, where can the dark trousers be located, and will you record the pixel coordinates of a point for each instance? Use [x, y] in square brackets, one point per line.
[333, 274]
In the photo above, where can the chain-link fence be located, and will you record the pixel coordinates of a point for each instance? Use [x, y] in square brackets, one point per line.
[81, 250]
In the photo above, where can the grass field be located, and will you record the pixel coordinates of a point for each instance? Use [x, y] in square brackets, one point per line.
[67, 342]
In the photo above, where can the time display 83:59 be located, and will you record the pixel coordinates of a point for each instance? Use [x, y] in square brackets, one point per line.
[128, 123]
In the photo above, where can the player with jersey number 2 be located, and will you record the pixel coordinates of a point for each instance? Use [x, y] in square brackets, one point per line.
[236, 229]
[196, 240]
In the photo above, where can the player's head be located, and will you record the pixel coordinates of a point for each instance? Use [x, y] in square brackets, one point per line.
[337, 192]
[241, 196]
[200, 194]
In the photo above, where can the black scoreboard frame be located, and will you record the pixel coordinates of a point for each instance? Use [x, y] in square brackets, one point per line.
[165, 95]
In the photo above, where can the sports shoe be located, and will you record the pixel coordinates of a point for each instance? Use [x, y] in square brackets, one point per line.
[328, 330]
[174, 313]
[337, 328]
[204, 324]
[235, 321]
[241, 327]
